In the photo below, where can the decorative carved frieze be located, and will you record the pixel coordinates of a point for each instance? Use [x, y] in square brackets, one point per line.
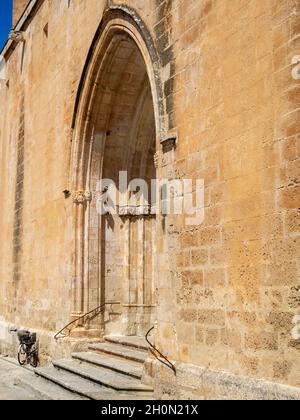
[134, 210]
[82, 197]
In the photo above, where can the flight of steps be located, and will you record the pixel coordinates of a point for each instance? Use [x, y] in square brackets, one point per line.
[111, 370]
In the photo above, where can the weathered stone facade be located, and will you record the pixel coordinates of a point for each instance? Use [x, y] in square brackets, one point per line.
[99, 87]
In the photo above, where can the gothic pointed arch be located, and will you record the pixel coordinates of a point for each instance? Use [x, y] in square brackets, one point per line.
[118, 125]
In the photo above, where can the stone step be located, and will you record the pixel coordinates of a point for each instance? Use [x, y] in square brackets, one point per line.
[120, 351]
[139, 343]
[102, 376]
[127, 367]
[85, 388]
[45, 390]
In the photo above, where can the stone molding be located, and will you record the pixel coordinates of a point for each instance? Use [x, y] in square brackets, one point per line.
[157, 160]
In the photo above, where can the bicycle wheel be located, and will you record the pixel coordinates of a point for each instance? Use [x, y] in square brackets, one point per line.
[22, 355]
[33, 358]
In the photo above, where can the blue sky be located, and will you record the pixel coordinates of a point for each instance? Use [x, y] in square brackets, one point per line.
[5, 20]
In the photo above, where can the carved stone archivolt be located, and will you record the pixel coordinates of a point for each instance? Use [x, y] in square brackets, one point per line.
[82, 197]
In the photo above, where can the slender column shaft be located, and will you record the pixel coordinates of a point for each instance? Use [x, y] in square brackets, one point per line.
[80, 199]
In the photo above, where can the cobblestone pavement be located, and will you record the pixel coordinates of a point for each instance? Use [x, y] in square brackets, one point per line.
[8, 389]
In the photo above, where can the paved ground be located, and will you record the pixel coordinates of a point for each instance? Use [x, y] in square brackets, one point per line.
[8, 389]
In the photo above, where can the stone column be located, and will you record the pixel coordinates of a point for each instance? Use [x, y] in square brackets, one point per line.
[141, 260]
[80, 200]
[127, 260]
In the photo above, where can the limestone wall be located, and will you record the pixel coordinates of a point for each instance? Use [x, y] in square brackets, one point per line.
[228, 289]
[234, 281]
[18, 8]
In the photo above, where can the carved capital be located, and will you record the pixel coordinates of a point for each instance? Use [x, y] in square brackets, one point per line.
[17, 36]
[82, 197]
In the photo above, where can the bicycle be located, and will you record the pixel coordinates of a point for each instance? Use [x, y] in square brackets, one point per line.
[27, 351]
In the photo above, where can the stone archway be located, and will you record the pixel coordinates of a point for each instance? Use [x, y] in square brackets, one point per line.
[118, 127]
